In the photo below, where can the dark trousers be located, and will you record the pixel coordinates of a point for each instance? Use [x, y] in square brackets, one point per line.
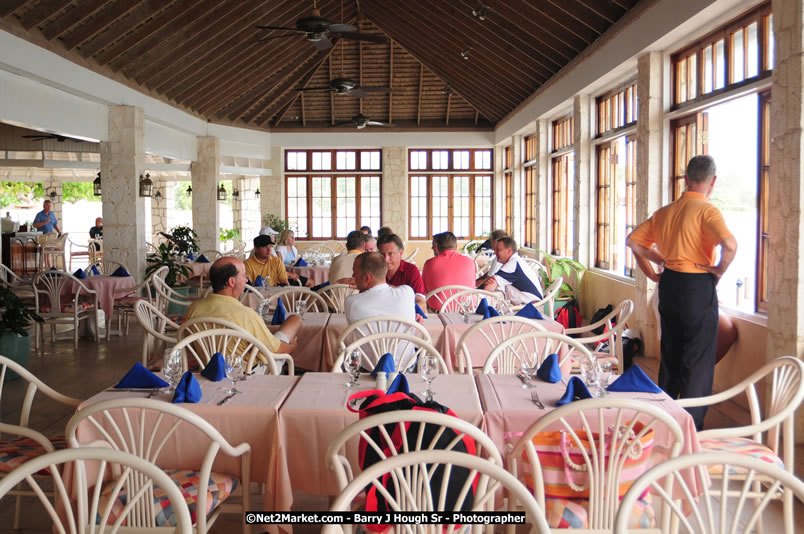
[689, 314]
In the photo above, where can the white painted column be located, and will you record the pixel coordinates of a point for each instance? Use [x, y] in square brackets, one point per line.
[786, 224]
[122, 159]
[205, 179]
[395, 190]
[584, 188]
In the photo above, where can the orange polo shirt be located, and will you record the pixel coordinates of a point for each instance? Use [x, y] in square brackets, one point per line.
[686, 232]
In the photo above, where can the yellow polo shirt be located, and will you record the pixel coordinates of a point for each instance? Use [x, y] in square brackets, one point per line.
[230, 309]
[272, 270]
[686, 232]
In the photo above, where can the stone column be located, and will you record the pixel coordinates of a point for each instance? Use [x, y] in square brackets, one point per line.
[649, 188]
[786, 225]
[122, 159]
[395, 190]
[543, 200]
[250, 219]
[159, 208]
[518, 187]
[272, 188]
[584, 188]
[205, 178]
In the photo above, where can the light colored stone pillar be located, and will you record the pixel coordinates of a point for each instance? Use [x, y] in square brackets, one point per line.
[159, 208]
[395, 190]
[543, 199]
[249, 220]
[584, 188]
[272, 188]
[206, 177]
[786, 224]
[122, 159]
[649, 188]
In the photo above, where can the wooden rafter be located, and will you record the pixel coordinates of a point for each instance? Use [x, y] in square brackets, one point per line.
[111, 34]
[106, 17]
[331, 94]
[449, 103]
[42, 12]
[419, 105]
[391, 81]
[9, 7]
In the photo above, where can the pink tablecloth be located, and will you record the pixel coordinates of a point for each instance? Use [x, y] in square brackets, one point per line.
[455, 327]
[337, 324]
[250, 417]
[316, 410]
[308, 355]
[198, 268]
[317, 273]
[107, 287]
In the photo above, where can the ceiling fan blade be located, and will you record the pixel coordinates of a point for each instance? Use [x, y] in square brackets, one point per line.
[340, 28]
[347, 123]
[322, 44]
[378, 123]
[323, 89]
[276, 37]
[375, 89]
[270, 28]
[356, 36]
[39, 137]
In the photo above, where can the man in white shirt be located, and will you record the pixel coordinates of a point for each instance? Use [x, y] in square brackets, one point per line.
[515, 278]
[376, 297]
[342, 264]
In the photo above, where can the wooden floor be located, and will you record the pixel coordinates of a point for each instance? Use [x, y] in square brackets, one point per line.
[95, 366]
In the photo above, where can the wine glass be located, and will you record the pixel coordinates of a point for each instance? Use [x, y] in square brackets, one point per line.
[235, 371]
[529, 368]
[466, 308]
[428, 368]
[172, 369]
[301, 307]
[606, 369]
[590, 373]
[352, 366]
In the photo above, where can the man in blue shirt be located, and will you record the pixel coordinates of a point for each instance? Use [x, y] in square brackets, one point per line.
[45, 221]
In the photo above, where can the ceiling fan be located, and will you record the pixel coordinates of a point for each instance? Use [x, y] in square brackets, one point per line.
[361, 121]
[318, 31]
[347, 86]
[57, 137]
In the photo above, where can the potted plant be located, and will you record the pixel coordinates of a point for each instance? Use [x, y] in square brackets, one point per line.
[166, 257]
[15, 325]
[567, 268]
[276, 223]
[183, 240]
[229, 234]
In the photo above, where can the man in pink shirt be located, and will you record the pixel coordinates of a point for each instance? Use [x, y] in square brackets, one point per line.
[448, 268]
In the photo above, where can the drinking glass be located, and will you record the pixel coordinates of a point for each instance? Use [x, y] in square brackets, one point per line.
[590, 374]
[234, 370]
[466, 308]
[172, 369]
[606, 368]
[352, 366]
[301, 307]
[529, 368]
[428, 367]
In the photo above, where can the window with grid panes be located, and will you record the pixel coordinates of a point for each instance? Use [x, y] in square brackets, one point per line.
[332, 192]
[507, 189]
[450, 190]
[615, 193]
[617, 109]
[530, 238]
[562, 180]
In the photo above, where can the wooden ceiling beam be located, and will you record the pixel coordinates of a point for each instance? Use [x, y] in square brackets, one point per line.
[603, 8]
[586, 32]
[331, 94]
[298, 95]
[65, 22]
[391, 80]
[111, 35]
[419, 100]
[578, 10]
[449, 104]
[42, 12]
[303, 117]
[285, 97]
[101, 21]
[10, 6]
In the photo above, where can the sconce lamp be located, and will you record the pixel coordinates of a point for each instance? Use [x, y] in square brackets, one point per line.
[222, 193]
[189, 190]
[146, 185]
[236, 193]
[52, 195]
[97, 185]
[158, 196]
[257, 193]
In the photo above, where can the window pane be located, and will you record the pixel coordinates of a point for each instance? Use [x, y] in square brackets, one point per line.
[418, 206]
[460, 159]
[345, 160]
[440, 159]
[322, 161]
[770, 41]
[370, 160]
[692, 72]
[297, 161]
[346, 206]
[753, 51]
[482, 220]
[737, 57]
[720, 65]
[322, 207]
[370, 201]
[460, 206]
[440, 208]
[707, 69]
[483, 159]
[297, 204]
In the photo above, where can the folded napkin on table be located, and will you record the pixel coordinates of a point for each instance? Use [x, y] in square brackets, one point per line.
[215, 369]
[576, 390]
[191, 256]
[530, 311]
[320, 286]
[419, 311]
[259, 282]
[385, 365]
[301, 263]
[188, 390]
[634, 379]
[202, 259]
[94, 270]
[400, 384]
[549, 370]
[80, 273]
[485, 310]
[140, 377]
[120, 272]
[279, 314]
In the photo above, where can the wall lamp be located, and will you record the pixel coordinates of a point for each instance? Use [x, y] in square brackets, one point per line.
[146, 185]
[222, 193]
[97, 185]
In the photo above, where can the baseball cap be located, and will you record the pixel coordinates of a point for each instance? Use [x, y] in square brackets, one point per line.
[263, 241]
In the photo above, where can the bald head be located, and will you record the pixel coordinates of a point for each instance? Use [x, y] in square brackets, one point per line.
[223, 270]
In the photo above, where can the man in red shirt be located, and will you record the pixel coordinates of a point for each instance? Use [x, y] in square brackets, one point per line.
[447, 268]
[400, 272]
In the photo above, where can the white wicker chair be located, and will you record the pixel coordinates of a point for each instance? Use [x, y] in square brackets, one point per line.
[154, 323]
[106, 267]
[251, 290]
[619, 424]
[135, 478]
[506, 358]
[471, 298]
[210, 254]
[335, 246]
[404, 348]
[432, 423]
[202, 345]
[164, 295]
[440, 294]
[483, 261]
[549, 299]
[292, 296]
[144, 428]
[534, 264]
[413, 474]
[335, 296]
[494, 331]
[733, 504]
[49, 287]
[53, 251]
[380, 324]
[325, 251]
[15, 283]
[410, 257]
[613, 334]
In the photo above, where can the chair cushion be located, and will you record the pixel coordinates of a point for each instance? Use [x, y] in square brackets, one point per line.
[70, 307]
[574, 513]
[16, 451]
[744, 446]
[219, 489]
[127, 302]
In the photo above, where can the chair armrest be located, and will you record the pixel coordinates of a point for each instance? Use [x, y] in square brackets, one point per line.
[26, 432]
[279, 358]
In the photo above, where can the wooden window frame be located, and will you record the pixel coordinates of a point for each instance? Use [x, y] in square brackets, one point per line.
[508, 184]
[530, 148]
[621, 103]
[605, 202]
[450, 169]
[693, 147]
[630, 201]
[763, 234]
[560, 207]
[531, 193]
[450, 202]
[563, 133]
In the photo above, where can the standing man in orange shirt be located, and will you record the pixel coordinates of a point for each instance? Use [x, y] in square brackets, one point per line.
[686, 233]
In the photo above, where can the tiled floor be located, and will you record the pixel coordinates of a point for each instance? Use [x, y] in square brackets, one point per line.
[93, 367]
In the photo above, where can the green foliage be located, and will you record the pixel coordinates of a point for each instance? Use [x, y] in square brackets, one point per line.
[183, 240]
[14, 316]
[229, 234]
[14, 193]
[471, 246]
[275, 222]
[75, 191]
[557, 267]
[166, 257]
[183, 200]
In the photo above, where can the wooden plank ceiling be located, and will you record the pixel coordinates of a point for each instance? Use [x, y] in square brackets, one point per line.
[206, 57]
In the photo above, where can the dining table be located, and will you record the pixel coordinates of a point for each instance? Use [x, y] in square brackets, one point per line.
[108, 288]
[317, 273]
[311, 340]
[198, 267]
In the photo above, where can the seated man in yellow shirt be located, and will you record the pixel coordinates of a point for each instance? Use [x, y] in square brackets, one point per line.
[228, 278]
[263, 263]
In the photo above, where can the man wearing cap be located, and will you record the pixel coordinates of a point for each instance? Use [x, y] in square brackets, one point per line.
[263, 263]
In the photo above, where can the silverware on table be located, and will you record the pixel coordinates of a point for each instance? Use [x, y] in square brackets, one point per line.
[141, 390]
[225, 399]
[153, 393]
[535, 398]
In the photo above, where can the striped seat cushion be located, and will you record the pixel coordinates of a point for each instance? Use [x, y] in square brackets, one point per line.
[744, 446]
[16, 451]
[220, 487]
[574, 513]
[66, 308]
[127, 302]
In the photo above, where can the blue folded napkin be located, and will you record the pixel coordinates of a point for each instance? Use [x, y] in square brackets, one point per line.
[188, 390]
[530, 311]
[80, 273]
[120, 272]
[576, 390]
[385, 365]
[320, 286]
[94, 270]
[215, 369]
[483, 307]
[140, 377]
[420, 311]
[400, 384]
[634, 379]
[279, 314]
[202, 259]
[549, 370]
[301, 263]
[191, 256]
[259, 282]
